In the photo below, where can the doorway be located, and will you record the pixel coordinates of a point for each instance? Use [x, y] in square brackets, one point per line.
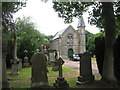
[70, 52]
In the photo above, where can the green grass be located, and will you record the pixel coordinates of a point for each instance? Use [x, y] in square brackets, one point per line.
[93, 59]
[23, 80]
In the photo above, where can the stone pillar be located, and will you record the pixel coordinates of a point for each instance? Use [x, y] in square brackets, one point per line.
[15, 60]
[85, 69]
[5, 83]
[39, 71]
[61, 82]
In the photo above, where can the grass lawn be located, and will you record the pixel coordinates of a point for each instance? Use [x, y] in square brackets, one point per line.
[93, 59]
[23, 80]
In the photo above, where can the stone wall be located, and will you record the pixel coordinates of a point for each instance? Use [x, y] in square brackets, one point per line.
[78, 45]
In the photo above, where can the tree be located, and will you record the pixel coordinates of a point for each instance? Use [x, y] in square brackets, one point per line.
[7, 25]
[103, 15]
[90, 42]
[29, 38]
[110, 39]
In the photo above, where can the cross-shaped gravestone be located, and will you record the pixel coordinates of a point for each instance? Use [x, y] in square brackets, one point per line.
[61, 82]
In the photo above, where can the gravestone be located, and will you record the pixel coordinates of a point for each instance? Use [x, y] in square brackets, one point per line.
[39, 71]
[51, 57]
[61, 82]
[85, 69]
[26, 62]
[20, 64]
[56, 65]
[15, 70]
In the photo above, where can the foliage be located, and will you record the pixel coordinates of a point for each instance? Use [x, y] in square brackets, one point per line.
[7, 18]
[68, 10]
[28, 38]
[90, 40]
[8, 25]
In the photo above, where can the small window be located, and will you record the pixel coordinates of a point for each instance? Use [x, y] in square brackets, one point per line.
[70, 39]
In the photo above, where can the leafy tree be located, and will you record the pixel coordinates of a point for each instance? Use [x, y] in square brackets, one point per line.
[89, 41]
[29, 38]
[8, 25]
[103, 17]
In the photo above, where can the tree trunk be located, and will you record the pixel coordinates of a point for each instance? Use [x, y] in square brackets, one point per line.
[110, 38]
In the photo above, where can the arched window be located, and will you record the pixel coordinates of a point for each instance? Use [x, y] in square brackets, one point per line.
[70, 39]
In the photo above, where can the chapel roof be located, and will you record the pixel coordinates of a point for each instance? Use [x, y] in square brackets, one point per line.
[59, 33]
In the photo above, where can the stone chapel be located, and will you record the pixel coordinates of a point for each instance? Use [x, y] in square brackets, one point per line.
[70, 41]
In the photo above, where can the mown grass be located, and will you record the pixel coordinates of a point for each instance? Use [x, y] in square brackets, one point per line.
[23, 80]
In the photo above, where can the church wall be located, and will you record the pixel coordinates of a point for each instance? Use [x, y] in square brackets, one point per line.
[65, 46]
[62, 44]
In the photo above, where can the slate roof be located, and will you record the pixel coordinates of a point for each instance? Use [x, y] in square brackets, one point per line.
[81, 22]
[57, 35]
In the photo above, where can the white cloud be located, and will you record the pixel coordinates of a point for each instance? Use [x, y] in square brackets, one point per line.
[46, 19]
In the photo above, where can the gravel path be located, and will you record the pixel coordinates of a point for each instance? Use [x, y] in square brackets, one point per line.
[75, 65]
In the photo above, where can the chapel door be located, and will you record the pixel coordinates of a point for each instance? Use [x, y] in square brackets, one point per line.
[70, 52]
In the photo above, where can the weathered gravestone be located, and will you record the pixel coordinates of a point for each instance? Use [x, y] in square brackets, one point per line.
[56, 65]
[26, 62]
[85, 69]
[61, 82]
[51, 57]
[39, 71]
[20, 64]
[15, 70]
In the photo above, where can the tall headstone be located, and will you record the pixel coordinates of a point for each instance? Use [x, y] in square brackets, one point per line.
[61, 82]
[5, 83]
[39, 71]
[85, 69]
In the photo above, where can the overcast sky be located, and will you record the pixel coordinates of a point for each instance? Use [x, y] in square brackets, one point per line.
[47, 20]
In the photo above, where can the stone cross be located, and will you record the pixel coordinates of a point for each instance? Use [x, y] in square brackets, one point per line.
[60, 63]
[39, 71]
[61, 82]
[85, 69]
